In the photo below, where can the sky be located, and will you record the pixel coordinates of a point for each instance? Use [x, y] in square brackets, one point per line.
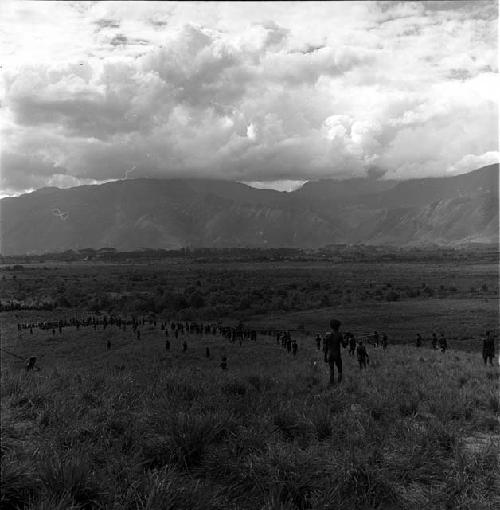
[268, 93]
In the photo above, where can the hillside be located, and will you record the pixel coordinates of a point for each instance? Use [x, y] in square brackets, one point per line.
[154, 213]
[136, 426]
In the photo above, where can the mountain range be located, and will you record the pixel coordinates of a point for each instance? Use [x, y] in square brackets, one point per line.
[172, 213]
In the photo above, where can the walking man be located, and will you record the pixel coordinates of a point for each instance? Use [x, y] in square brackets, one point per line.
[333, 342]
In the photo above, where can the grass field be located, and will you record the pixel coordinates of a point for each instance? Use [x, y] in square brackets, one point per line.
[136, 427]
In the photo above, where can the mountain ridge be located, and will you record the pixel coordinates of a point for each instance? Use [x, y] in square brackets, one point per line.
[172, 213]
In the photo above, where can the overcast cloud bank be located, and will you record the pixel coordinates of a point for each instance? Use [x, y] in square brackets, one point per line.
[250, 92]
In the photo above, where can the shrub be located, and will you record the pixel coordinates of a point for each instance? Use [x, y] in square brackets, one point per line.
[69, 474]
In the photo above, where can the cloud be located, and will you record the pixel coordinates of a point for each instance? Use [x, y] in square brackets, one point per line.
[246, 91]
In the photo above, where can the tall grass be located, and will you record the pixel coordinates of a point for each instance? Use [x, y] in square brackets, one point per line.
[179, 433]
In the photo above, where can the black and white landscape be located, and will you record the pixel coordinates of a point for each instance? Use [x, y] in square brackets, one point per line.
[249, 255]
[171, 214]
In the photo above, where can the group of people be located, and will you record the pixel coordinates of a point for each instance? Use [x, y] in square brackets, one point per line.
[436, 342]
[285, 339]
[330, 343]
[333, 340]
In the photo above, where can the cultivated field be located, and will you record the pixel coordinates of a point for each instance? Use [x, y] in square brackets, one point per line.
[137, 427]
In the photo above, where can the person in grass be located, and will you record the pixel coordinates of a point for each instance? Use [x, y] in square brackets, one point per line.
[363, 357]
[334, 340]
[318, 341]
[488, 348]
[434, 341]
[352, 344]
[223, 363]
[418, 341]
[443, 344]
[385, 341]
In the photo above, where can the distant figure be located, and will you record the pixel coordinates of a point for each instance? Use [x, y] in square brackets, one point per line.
[376, 338]
[294, 347]
[207, 352]
[318, 342]
[167, 344]
[166, 332]
[325, 349]
[138, 334]
[488, 348]
[334, 340]
[418, 341]
[434, 341]
[443, 344]
[352, 344]
[385, 341]
[108, 345]
[184, 346]
[363, 357]
[31, 364]
[31, 331]
[223, 364]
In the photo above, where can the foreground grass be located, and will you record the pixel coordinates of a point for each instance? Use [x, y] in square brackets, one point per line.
[138, 429]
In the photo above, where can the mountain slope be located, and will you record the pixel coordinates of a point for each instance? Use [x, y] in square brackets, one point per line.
[155, 213]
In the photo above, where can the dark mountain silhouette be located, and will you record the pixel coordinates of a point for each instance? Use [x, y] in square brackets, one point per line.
[154, 213]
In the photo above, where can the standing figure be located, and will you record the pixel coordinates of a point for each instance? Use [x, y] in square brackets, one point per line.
[363, 357]
[418, 341]
[334, 340]
[352, 344]
[223, 363]
[488, 348]
[294, 347]
[31, 364]
[376, 338]
[443, 344]
[434, 341]
[385, 341]
[167, 344]
[184, 346]
[108, 345]
[318, 342]
[207, 352]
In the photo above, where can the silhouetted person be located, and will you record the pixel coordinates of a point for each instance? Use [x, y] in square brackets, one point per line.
[488, 348]
[318, 342]
[418, 341]
[184, 346]
[207, 352]
[443, 344]
[363, 357]
[385, 341]
[376, 338]
[434, 341]
[108, 345]
[223, 364]
[31, 364]
[294, 347]
[334, 341]
[352, 344]
[138, 334]
[167, 344]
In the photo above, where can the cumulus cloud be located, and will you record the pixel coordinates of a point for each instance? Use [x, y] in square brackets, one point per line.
[275, 92]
